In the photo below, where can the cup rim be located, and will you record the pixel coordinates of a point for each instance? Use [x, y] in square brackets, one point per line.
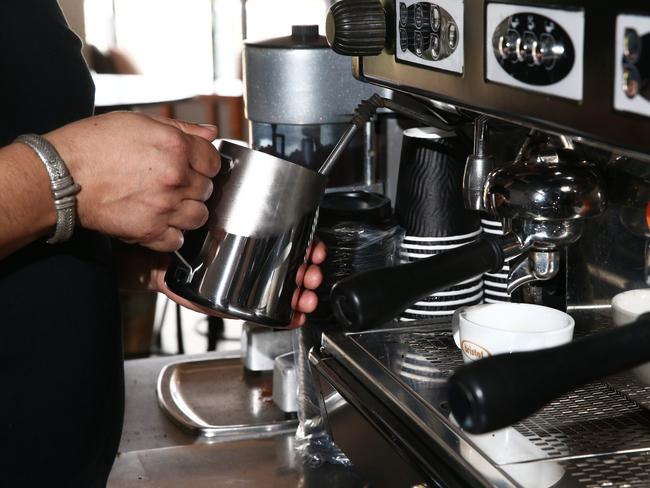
[454, 237]
[461, 301]
[569, 325]
[492, 223]
[428, 133]
[408, 246]
[624, 294]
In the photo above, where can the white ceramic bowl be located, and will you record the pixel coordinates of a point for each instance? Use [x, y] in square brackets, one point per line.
[499, 328]
[630, 305]
[626, 308]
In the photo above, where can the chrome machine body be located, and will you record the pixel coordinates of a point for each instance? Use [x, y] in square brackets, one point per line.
[576, 74]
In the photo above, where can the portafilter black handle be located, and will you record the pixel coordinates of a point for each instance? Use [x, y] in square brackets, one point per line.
[501, 390]
[370, 298]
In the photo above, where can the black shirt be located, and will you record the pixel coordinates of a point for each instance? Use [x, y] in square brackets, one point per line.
[61, 376]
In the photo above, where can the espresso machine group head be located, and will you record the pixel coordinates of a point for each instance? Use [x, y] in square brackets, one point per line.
[544, 197]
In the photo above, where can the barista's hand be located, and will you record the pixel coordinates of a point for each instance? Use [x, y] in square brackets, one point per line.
[143, 179]
[308, 279]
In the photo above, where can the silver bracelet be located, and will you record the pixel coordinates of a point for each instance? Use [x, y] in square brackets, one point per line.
[64, 189]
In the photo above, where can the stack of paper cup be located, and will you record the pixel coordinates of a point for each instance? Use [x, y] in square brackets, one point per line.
[495, 285]
[429, 206]
[445, 302]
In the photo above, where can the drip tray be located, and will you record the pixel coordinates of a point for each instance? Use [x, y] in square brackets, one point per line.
[624, 470]
[594, 419]
[217, 397]
[595, 436]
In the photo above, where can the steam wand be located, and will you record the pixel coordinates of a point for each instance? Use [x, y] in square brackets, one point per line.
[364, 112]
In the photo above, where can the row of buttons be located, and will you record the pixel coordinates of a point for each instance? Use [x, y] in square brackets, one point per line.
[429, 47]
[533, 48]
[435, 35]
[530, 49]
[631, 54]
[434, 16]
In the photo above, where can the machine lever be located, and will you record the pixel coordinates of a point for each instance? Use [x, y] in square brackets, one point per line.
[501, 390]
[373, 297]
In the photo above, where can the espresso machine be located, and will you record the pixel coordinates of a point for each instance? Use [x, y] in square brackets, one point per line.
[555, 97]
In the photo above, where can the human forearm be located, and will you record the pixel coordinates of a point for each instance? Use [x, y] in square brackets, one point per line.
[26, 206]
[143, 180]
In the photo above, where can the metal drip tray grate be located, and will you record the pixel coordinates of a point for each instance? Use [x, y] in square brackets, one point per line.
[591, 420]
[628, 470]
[630, 386]
[430, 356]
[595, 436]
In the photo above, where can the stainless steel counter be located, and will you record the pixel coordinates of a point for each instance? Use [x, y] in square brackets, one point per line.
[154, 452]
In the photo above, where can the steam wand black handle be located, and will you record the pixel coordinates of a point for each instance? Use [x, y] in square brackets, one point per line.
[373, 297]
[501, 390]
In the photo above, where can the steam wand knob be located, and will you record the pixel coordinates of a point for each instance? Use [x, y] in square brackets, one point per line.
[356, 27]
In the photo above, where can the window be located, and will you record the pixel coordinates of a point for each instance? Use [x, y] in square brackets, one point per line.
[195, 41]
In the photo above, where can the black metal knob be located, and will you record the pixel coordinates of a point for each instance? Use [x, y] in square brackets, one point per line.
[357, 27]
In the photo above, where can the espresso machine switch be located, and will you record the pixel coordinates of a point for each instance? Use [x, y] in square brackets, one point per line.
[515, 50]
[632, 64]
[525, 45]
[507, 45]
[430, 33]
[357, 27]
[539, 49]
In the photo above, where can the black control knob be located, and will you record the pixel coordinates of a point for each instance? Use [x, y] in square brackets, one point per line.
[356, 27]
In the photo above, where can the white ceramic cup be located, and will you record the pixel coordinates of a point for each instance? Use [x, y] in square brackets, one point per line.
[630, 305]
[498, 328]
[626, 308]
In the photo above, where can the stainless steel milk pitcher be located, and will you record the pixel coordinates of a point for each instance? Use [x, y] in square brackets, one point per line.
[263, 210]
[243, 262]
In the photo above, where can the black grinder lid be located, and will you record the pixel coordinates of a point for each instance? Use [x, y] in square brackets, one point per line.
[302, 37]
[355, 206]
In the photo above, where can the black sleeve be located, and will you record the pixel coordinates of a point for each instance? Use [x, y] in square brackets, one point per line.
[44, 81]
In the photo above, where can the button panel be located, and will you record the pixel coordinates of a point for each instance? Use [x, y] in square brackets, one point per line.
[632, 64]
[429, 33]
[539, 49]
[533, 49]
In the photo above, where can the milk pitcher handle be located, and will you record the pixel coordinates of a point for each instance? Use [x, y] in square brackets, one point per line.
[190, 271]
[182, 260]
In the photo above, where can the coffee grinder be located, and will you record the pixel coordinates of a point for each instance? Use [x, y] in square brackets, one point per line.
[299, 96]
